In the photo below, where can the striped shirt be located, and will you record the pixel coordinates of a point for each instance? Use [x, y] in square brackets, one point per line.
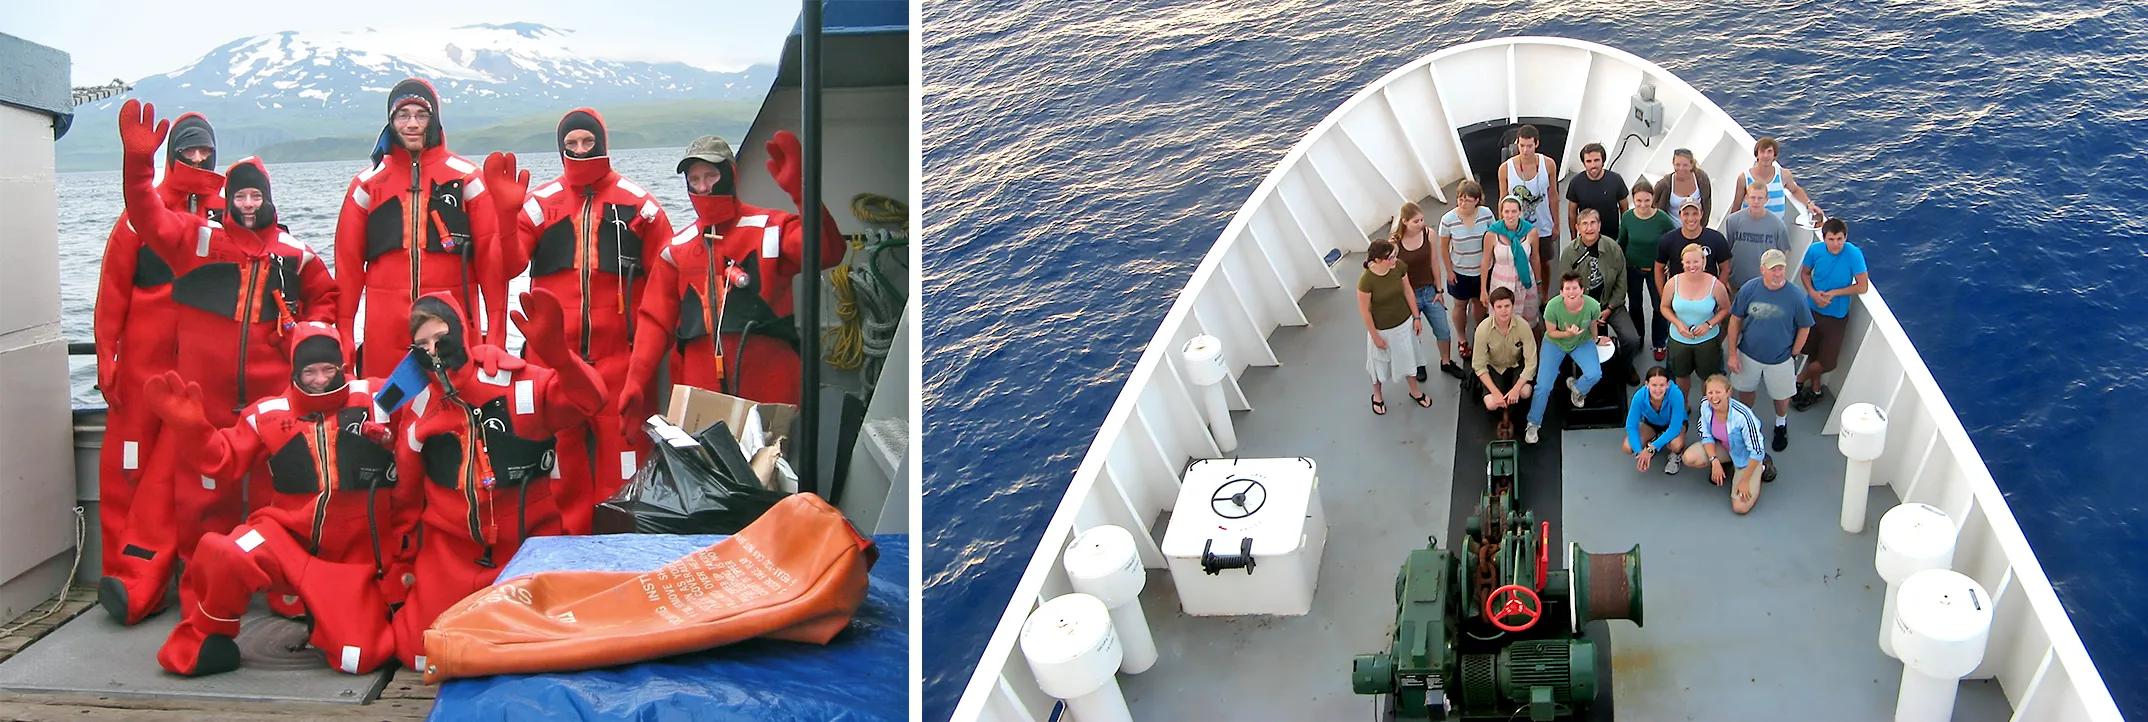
[1465, 241]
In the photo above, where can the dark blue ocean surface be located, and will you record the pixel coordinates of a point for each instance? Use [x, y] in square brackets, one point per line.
[1081, 157]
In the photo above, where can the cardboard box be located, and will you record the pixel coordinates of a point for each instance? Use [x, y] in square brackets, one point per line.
[695, 409]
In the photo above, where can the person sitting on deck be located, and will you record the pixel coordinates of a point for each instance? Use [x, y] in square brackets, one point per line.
[1505, 358]
[1730, 446]
[1831, 273]
[1603, 277]
[1769, 324]
[1656, 421]
[1570, 332]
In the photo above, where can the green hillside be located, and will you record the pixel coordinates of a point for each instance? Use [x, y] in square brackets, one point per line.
[640, 125]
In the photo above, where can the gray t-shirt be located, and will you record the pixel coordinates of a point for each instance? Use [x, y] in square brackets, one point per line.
[1769, 319]
[1750, 237]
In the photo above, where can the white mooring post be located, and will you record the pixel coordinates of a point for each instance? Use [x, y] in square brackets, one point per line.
[1863, 439]
[1070, 646]
[1912, 538]
[1103, 563]
[1945, 622]
[1206, 368]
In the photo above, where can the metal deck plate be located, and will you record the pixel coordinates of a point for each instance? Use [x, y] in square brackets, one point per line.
[94, 655]
[1747, 616]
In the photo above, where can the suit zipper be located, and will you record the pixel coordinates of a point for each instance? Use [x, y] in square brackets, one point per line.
[324, 464]
[469, 483]
[416, 241]
[586, 242]
[246, 323]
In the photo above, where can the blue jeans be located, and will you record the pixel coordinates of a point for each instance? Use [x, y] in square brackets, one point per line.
[1548, 361]
[1435, 315]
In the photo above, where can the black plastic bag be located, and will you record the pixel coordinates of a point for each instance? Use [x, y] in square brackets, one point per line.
[704, 488]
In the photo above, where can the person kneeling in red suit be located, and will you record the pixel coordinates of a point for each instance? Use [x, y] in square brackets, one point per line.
[329, 533]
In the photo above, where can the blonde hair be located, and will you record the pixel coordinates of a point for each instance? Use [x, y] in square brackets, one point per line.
[1718, 379]
[1409, 210]
[1692, 248]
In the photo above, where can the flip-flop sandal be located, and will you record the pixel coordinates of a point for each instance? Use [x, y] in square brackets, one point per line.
[1422, 400]
[1379, 408]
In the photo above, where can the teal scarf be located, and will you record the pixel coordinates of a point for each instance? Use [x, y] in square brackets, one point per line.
[1514, 245]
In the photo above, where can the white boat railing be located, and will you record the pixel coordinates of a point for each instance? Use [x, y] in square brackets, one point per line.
[1395, 141]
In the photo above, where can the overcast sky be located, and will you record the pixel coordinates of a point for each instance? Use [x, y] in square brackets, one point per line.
[132, 39]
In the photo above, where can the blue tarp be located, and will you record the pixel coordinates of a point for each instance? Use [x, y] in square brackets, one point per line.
[862, 675]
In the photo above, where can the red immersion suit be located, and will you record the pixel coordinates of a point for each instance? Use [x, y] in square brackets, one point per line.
[413, 225]
[236, 290]
[330, 532]
[480, 448]
[767, 246]
[133, 329]
[587, 237]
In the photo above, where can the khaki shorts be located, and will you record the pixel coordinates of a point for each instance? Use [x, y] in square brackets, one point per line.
[1779, 379]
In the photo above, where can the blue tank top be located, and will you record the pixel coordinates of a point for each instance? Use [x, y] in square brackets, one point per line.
[1692, 312]
[1777, 202]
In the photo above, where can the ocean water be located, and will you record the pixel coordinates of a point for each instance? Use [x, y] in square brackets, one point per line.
[308, 197]
[1081, 157]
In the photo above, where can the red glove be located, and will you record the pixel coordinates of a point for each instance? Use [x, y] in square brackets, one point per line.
[139, 130]
[174, 399]
[543, 328]
[107, 378]
[630, 411]
[509, 187]
[786, 163]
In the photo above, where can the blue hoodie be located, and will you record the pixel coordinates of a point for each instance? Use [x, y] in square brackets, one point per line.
[1672, 417]
[1747, 445]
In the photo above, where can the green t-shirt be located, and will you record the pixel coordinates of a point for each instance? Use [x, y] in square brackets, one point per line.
[1556, 317]
[1638, 237]
[1391, 304]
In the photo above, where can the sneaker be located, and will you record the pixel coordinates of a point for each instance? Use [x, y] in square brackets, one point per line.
[1448, 368]
[1529, 435]
[1580, 399]
[1782, 437]
[1767, 469]
[1672, 465]
[1659, 353]
[1807, 399]
[1421, 375]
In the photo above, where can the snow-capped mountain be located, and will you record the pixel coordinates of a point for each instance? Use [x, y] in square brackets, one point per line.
[294, 85]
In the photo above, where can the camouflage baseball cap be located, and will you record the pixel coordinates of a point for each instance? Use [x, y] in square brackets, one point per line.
[709, 148]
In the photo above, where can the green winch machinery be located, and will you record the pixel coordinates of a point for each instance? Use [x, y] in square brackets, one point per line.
[1493, 631]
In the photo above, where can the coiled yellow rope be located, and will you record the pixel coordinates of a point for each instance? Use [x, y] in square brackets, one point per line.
[847, 343]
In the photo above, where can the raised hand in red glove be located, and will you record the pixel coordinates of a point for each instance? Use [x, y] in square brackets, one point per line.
[543, 326]
[786, 163]
[174, 399]
[509, 187]
[139, 130]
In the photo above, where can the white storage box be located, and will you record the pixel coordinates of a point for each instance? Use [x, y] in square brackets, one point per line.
[1229, 507]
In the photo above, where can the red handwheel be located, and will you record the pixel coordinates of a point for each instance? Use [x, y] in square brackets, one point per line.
[1512, 607]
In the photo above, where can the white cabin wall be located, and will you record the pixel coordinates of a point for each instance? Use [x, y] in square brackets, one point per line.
[37, 465]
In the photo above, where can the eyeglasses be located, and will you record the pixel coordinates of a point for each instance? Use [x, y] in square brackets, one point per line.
[417, 115]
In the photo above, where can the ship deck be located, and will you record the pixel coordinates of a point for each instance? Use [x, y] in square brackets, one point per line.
[1780, 597]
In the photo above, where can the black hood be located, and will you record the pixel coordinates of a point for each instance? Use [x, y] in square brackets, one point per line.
[413, 89]
[450, 351]
[582, 119]
[190, 131]
[319, 346]
[249, 173]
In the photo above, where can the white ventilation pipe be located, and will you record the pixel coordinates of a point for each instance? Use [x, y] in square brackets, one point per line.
[1946, 620]
[1206, 368]
[1912, 538]
[1103, 563]
[1863, 438]
[1070, 647]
